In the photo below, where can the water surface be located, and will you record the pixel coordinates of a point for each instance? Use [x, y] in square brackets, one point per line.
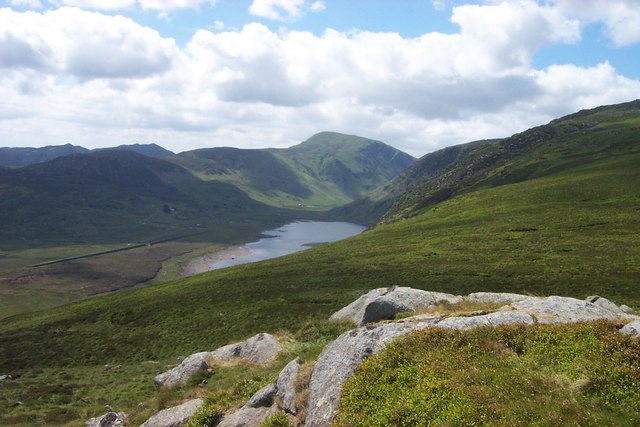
[291, 238]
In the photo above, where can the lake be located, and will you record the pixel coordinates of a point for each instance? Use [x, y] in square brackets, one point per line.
[293, 237]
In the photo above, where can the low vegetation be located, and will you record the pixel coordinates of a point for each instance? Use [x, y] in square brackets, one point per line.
[583, 374]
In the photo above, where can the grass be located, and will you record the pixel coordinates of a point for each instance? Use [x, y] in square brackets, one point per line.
[583, 374]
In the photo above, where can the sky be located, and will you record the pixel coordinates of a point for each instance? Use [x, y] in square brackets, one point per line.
[419, 75]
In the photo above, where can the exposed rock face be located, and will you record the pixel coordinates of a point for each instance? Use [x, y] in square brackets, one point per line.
[176, 416]
[259, 349]
[339, 359]
[110, 419]
[260, 407]
[385, 303]
[337, 363]
[632, 329]
[285, 385]
[566, 310]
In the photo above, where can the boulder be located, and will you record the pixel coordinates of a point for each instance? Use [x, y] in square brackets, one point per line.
[5, 377]
[491, 319]
[626, 309]
[338, 361]
[495, 297]
[564, 310]
[176, 416]
[110, 419]
[259, 408]
[385, 303]
[632, 328]
[285, 385]
[259, 349]
[604, 303]
[181, 373]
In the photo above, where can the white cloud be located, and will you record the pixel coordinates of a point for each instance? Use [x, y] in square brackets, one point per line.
[91, 79]
[284, 10]
[32, 4]
[620, 17]
[160, 5]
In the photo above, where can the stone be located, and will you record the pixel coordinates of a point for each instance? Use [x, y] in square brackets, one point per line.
[491, 319]
[604, 303]
[626, 309]
[176, 416]
[631, 329]
[338, 361]
[495, 297]
[259, 408]
[556, 309]
[180, 374]
[5, 377]
[385, 303]
[259, 349]
[285, 385]
[110, 419]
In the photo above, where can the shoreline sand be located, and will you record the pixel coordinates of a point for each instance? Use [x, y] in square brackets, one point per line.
[203, 264]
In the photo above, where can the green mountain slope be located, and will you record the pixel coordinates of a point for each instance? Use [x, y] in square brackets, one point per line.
[327, 170]
[569, 226]
[564, 143]
[113, 196]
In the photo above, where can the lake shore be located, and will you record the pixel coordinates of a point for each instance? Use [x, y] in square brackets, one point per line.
[203, 264]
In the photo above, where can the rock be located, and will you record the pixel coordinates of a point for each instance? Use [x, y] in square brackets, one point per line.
[338, 361]
[5, 377]
[495, 297]
[181, 373]
[260, 407]
[385, 303]
[110, 419]
[285, 385]
[632, 329]
[176, 416]
[604, 303]
[626, 309]
[564, 310]
[259, 349]
[492, 319]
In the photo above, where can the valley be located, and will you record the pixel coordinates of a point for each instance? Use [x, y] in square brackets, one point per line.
[554, 210]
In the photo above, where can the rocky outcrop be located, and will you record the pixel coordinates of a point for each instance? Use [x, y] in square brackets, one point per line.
[259, 349]
[259, 408]
[385, 303]
[176, 416]
[110, 419]
[285, 386]
[339, 359]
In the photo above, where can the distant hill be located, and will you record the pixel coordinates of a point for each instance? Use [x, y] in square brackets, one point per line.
[15, 157]
[113, 195]
[327, 170]
[151, 150]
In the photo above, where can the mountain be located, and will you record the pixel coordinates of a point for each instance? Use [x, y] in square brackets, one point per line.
[535, 153]
[327, 170]
[151, 150]
[15, 157]
[550, 211]
[112, 196]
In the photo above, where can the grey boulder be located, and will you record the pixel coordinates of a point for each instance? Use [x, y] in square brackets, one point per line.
[181, 373]
[565, 310]
[285, 385]
[385, 303]
[110, 419]
[631, 329]
[259, 408]
[176, 416]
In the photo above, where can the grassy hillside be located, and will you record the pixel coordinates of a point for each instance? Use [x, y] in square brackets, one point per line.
[327, 170]
[571, 231]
